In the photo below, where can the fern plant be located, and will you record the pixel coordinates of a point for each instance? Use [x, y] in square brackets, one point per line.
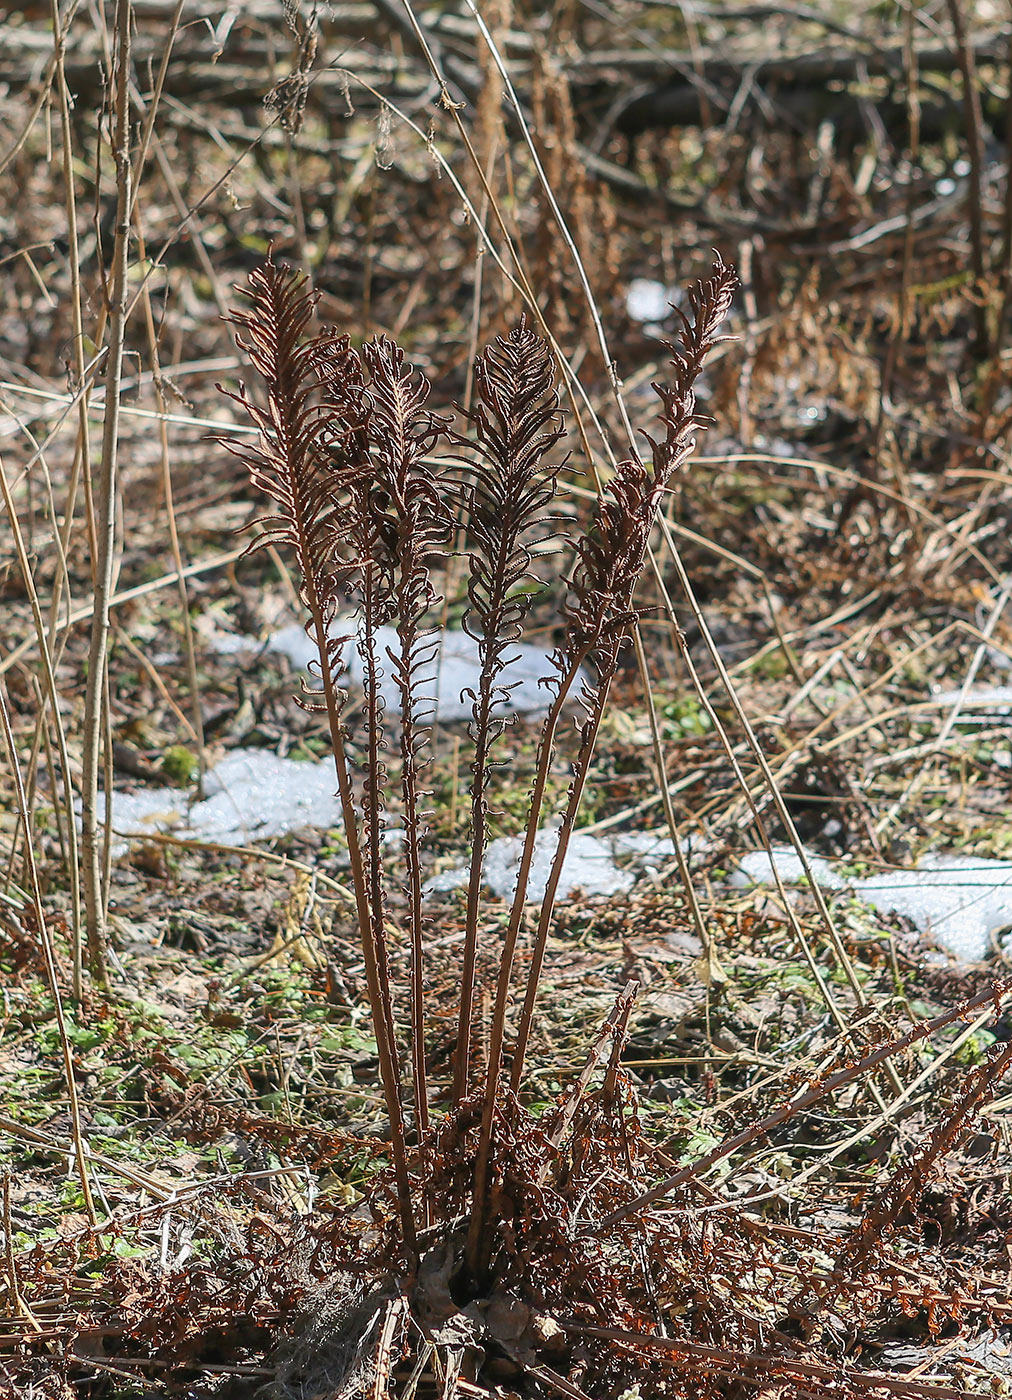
[345, 448]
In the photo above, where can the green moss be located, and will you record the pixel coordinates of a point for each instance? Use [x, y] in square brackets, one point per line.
[179, 765]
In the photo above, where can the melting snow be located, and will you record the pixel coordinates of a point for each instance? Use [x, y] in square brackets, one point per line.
[588, 866]
[961, 901]
[452, 668]
[252, 795]
[647, 301]
[757, 868]
[654, 848]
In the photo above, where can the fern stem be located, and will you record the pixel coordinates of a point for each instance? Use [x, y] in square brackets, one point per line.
[485, 735]
[581, 771]
[378, 1003]
[480, 1239]
[407, 633]
[480, 770]
[95, 890]
[497, 1034]
[374, 930]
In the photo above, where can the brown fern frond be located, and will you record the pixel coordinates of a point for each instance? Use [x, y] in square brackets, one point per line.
[288, 462]
[599, 614]
[610, 557]
[283, 463]
[507, 498]
[609, 560]
[312, 458]
[410, 514]
[699, 336]
[599, 608]
[411, 522]
[516, 423]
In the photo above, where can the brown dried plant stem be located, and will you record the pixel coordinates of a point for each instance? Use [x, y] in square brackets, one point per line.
[13, 1283]
[196, 718]
[713, 970]
[147, 134]
[81, 469]
[840, 951]
[497, 1033]
[998, 993]
[975, 187]
[50, 697]
[581, 771]
[376, 894]
[480, 770]
[377, 991]
[412, 818]
[479, 1240]
[106, 513]
[49, 957]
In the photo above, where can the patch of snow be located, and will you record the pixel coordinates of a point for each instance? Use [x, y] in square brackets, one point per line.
[981, 704]
[225, 643]
[757, 868]
[960, 900]
[653, 848]
[451, 668]
[647, 300]
[588, 866]
[252, 795]
[454, 667]
[144, 812]
[293, 641]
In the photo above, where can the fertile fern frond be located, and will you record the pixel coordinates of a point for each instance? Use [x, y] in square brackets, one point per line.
[599, 608]
[610, 557]
[507, 497]
[411, 523]
[294, 460]
[508, 494]
[284, 462]
[312, 457]
[411, 513]
[699, 336]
